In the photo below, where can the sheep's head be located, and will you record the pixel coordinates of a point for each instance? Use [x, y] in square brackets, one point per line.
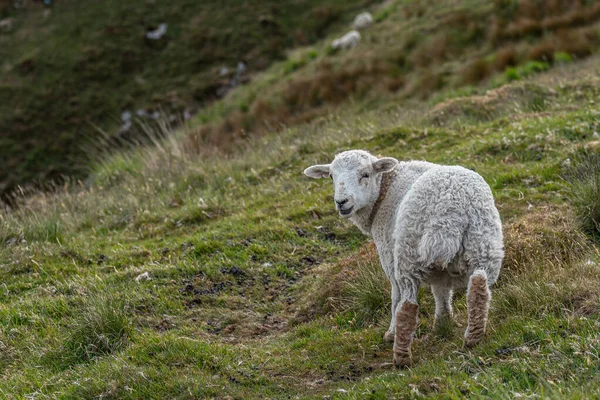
[356, 176]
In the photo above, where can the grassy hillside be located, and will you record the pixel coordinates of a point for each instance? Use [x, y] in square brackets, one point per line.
[75, 66]
[415, 49]
[258, 290]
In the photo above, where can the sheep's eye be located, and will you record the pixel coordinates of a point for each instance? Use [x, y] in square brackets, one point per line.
[365, 175]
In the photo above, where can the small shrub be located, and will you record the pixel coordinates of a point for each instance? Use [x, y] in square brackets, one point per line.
[330, 51]
[562, 58]
[383, 14]
[505, 57]
[543, 51]
[512, 74]
[293, 65]
[475, 71]
[584, 184]
[244, 107]
[533, 67]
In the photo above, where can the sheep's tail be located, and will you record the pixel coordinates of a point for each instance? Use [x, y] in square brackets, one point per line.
[440, 246]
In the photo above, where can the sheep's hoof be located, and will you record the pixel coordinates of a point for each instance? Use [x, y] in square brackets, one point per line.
[389, 337]
[472, 340]
[402, 360]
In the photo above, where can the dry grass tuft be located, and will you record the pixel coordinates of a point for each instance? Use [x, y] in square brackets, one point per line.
[493, 102]
[475, 71]
[505, 57]
[432, 52]
[534, 17]
[357, 284]
[545, 236]
[362, 287]
[575, 42]
[304, 99]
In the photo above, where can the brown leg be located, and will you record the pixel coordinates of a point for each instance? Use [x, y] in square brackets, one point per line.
[478, 302]
[406, 325]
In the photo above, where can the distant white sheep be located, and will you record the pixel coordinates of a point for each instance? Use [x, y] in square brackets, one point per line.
[363, 21]
[431, 224]
[157, 33]
[348, 41]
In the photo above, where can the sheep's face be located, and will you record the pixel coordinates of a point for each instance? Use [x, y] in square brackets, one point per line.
[356, 177]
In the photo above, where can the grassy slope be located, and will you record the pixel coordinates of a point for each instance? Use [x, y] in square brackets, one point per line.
[287, 322]
[414, 49]
[86, 62]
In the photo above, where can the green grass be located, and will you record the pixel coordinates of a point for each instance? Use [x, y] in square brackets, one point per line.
[259, 290]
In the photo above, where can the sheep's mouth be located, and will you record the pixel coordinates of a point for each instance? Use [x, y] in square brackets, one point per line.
[346, 212]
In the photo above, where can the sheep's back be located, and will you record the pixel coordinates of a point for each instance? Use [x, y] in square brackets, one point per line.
[445, 212]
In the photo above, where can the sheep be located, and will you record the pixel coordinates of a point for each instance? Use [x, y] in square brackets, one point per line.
[432, 224]
[348, 41]
[363, 21]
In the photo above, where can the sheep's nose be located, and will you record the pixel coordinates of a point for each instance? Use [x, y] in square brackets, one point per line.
[341, 202]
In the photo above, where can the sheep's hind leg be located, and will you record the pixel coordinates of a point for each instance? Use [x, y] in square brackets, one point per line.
[443, 303]
[406, 323]
[478, 303]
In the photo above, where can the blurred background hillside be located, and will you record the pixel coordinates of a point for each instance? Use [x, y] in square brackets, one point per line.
[70, 70]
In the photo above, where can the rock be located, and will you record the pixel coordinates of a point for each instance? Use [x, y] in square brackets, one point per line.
[143, 277]
[126, 116]
[593, 145]
[235, 271]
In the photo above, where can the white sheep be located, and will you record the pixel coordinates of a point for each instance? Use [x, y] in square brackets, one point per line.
[431, 224]
[348, 41]
[363, 21]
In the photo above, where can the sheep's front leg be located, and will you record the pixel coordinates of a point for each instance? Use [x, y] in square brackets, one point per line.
[443, 302]
[406, 322]
[478, 304]
[389, 335]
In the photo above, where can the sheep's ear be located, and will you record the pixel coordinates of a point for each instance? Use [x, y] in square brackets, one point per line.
[317, 171]
[385, 164]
